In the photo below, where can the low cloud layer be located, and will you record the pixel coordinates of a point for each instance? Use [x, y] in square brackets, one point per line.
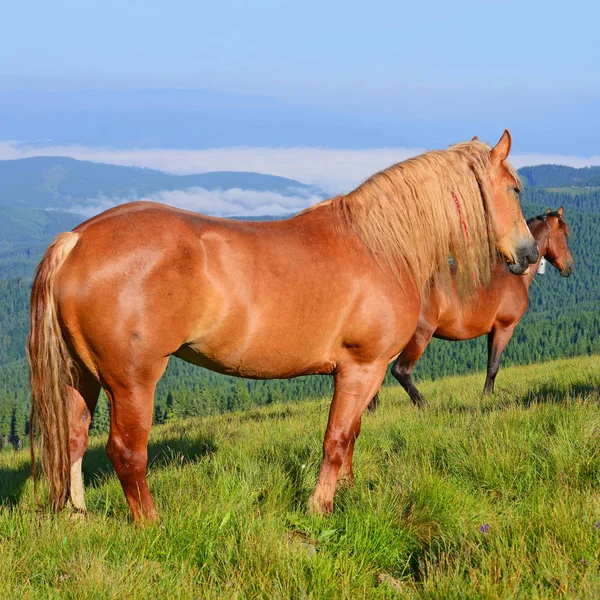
[223, 203]
[333, 170]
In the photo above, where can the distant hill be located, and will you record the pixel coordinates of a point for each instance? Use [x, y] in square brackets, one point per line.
[27, 226]
[26, 232]
[61, 183]
[557, 176]
[24, 235]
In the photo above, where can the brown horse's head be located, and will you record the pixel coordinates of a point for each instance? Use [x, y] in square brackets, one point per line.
[556, 249]
[513, 238]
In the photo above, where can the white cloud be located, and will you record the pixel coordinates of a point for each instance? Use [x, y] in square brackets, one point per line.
[224, 203]
[333, 170]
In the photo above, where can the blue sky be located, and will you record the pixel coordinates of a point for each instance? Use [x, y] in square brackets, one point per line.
[334, 74]
[304, 47]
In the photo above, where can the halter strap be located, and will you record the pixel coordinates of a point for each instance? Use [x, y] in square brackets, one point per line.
[544, 219]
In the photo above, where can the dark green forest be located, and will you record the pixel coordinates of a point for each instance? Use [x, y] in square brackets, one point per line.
[558, 176]
[563, 320]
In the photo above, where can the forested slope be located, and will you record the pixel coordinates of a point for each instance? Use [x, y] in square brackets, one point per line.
[563, 320]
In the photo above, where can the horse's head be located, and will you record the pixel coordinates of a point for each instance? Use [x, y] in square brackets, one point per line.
[556, 250]
[513, 238]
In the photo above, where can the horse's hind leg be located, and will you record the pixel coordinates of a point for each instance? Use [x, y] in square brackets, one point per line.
[127, 448]
[82, 403]
[355, 386]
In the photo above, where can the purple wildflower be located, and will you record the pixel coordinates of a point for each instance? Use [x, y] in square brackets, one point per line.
[484, 528]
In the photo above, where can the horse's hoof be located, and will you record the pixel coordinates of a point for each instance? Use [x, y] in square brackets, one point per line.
[146, 519]
[345, 482]
[77, 514]
[319, 508]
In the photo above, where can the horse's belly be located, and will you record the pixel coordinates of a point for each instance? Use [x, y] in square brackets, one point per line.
[255, 362]
[464, 327]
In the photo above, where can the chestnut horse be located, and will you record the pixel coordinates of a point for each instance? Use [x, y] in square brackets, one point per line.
[316, 293]
[495, 312]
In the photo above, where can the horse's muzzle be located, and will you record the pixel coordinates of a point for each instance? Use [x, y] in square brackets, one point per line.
[568, 270]
[526, 255]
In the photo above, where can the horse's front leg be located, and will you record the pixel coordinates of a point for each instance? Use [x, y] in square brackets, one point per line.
[498, 338]
[355, 385]
[346, 473]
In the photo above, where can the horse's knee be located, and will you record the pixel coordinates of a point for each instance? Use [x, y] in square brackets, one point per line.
[130, 462]
[401, 372]
[114, 450]
[126, 459]
[335, 448]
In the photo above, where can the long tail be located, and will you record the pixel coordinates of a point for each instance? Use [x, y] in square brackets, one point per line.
[51, 373]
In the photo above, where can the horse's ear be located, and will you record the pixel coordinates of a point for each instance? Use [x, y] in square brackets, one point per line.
[561, 211]
[548, 210]
[502, 148]
[475, 139]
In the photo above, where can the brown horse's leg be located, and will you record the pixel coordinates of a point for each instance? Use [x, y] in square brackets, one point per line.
[355, 386]
[403, 367]
[498, 338]
[373, 404]
[82, 403]
[346, 474]
[131, 408]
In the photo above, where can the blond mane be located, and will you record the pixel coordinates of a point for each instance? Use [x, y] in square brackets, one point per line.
[407, 215]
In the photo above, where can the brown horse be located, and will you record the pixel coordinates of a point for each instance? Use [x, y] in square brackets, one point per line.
[317, 293]
[495, 311]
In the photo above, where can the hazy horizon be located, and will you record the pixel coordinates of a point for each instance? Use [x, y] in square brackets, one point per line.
[324, 93]
[195, 76]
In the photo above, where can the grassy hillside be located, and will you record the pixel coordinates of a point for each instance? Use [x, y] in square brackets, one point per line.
[474, 498]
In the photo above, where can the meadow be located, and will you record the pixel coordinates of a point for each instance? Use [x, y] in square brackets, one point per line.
[495, 497]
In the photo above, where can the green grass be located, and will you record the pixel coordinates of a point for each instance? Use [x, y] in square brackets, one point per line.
[232, 492]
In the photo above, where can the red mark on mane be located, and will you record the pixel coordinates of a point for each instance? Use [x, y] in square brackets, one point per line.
[460, 216]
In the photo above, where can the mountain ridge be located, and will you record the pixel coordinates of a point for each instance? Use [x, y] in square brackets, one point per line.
[556, 176]
[62, 182]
